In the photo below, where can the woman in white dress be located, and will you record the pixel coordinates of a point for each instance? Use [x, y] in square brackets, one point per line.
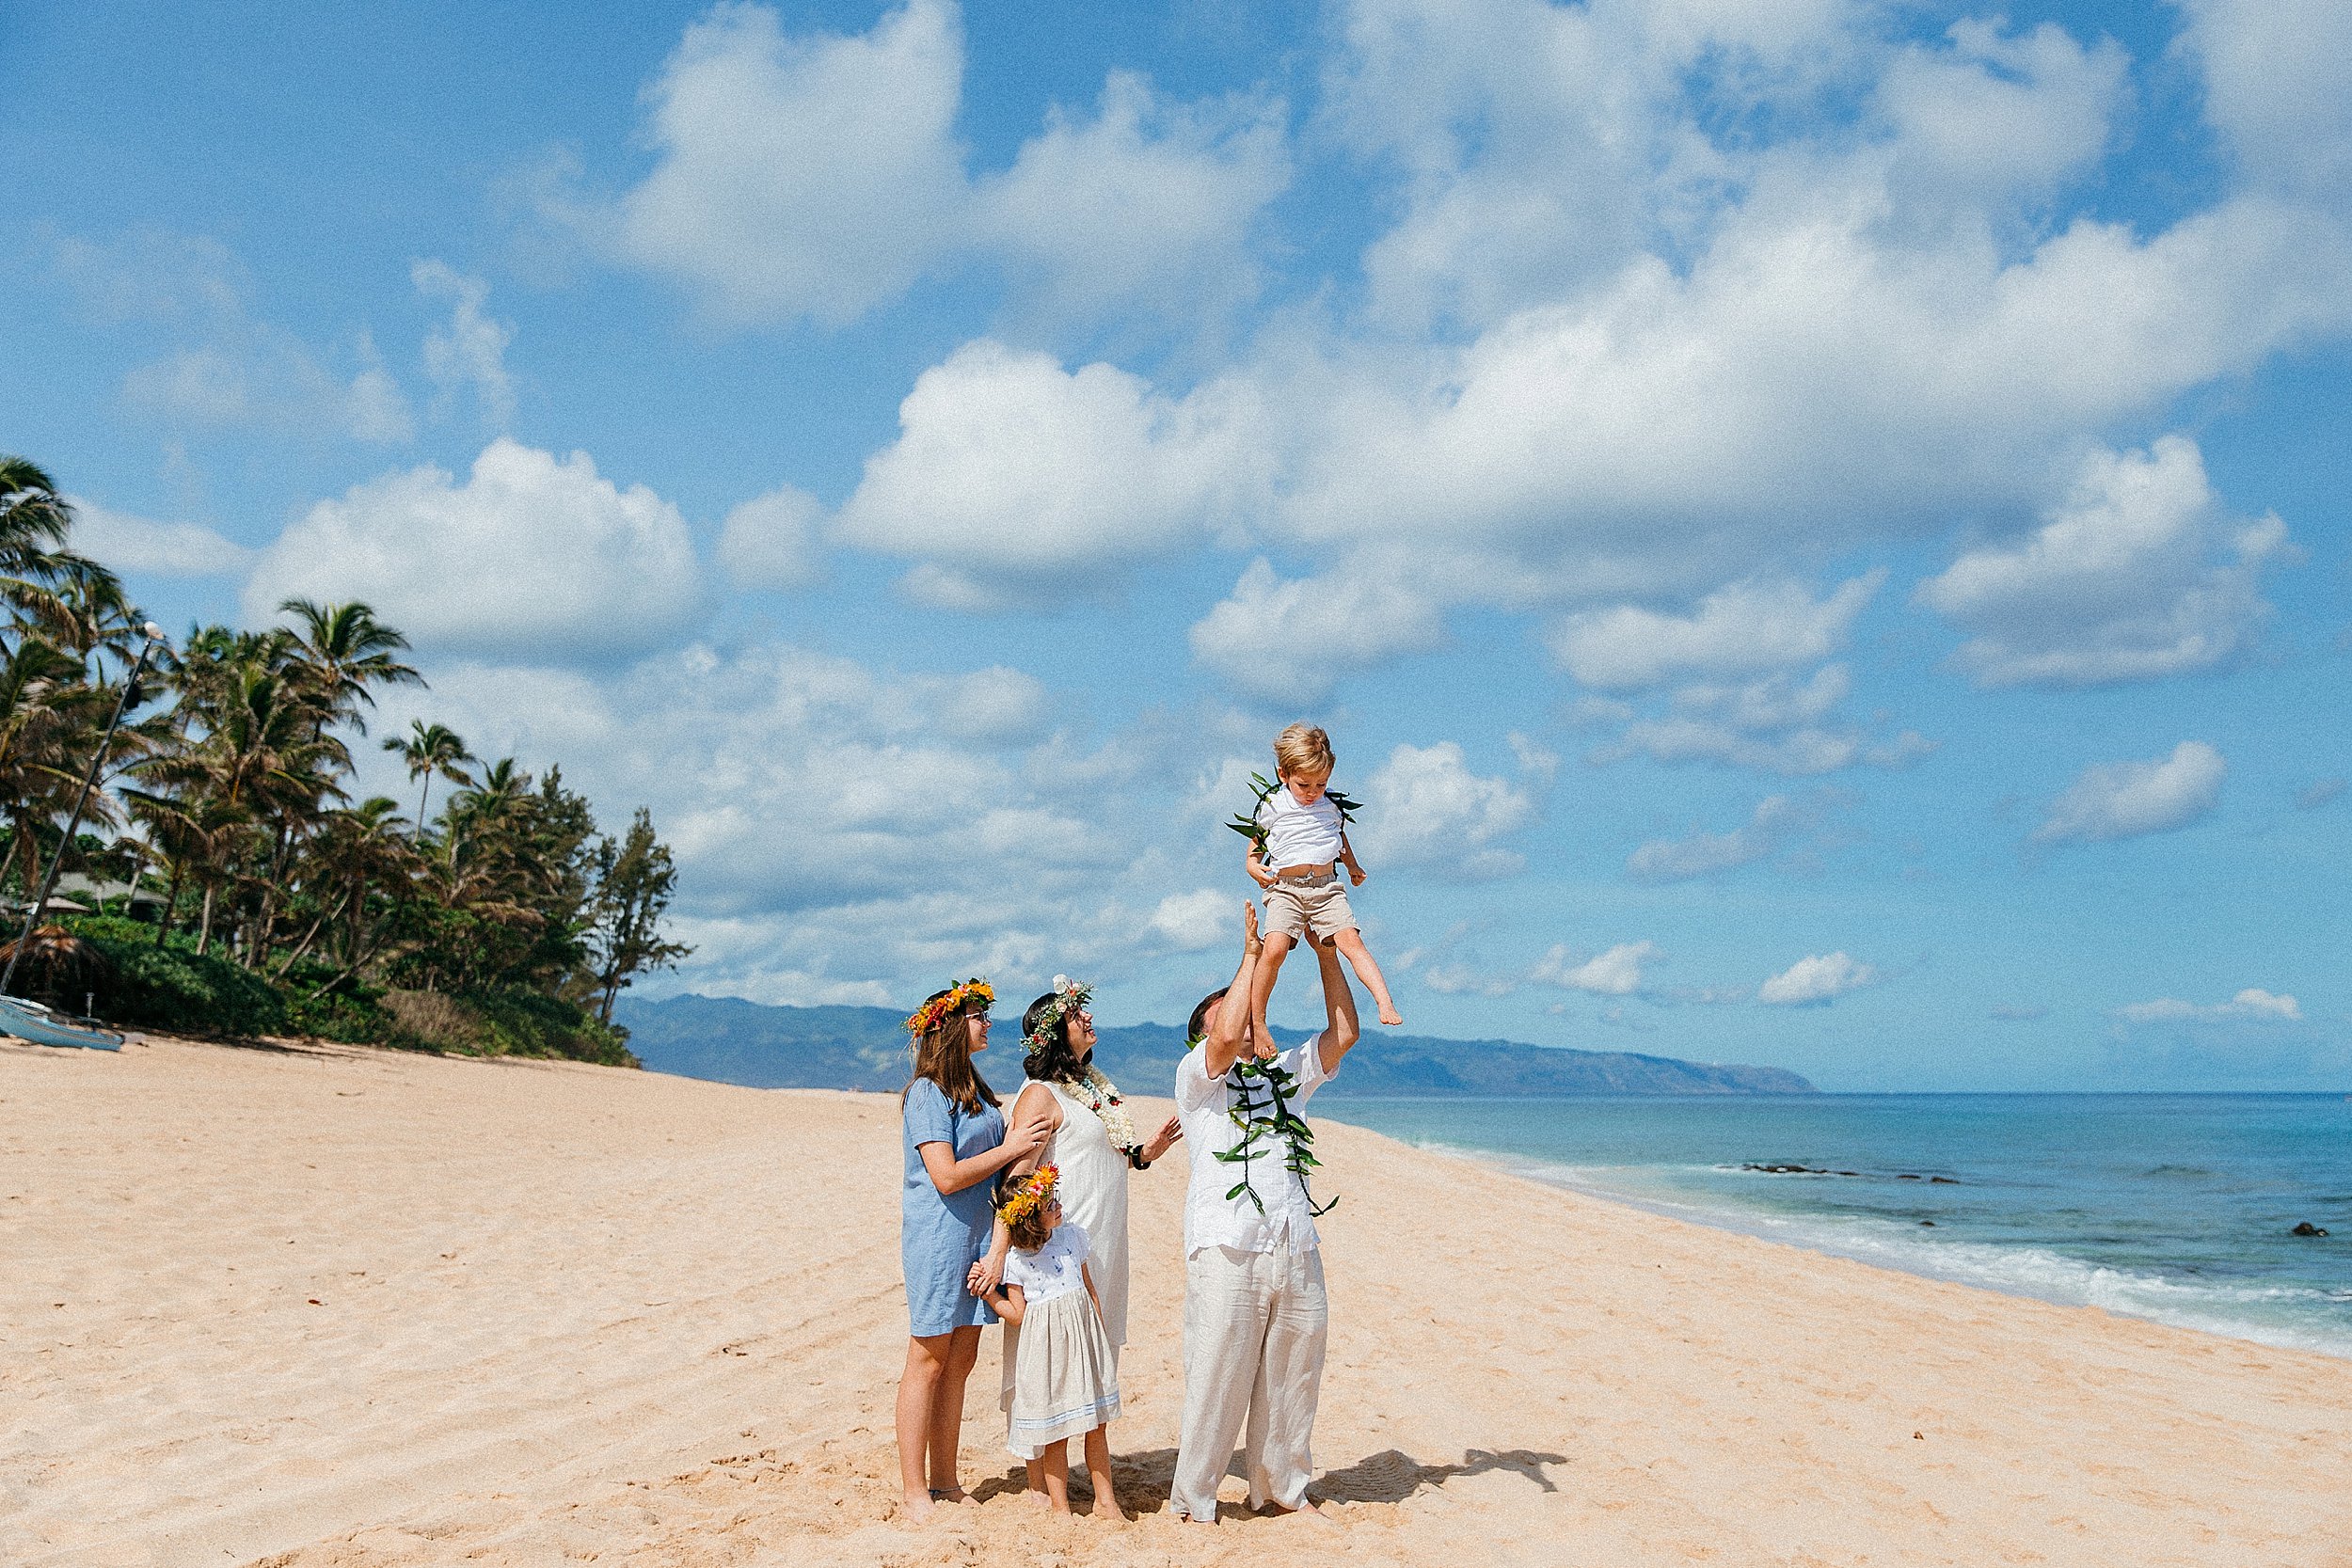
[1095, 1144]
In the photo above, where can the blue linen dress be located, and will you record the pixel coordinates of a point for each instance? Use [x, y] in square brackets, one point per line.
[940, 1237]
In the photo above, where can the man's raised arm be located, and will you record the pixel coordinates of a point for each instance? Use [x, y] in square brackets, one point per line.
[1228, 1022]
[1341, 1030]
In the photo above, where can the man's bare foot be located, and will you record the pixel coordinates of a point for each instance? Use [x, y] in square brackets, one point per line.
[1389, 1015]
[1308, 1512]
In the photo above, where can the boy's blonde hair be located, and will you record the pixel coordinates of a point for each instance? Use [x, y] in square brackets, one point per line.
[1302, 749]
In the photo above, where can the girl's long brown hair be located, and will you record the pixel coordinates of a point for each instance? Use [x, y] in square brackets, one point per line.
[944, 1056]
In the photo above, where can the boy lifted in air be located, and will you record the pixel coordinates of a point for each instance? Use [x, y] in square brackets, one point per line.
[1298, 841]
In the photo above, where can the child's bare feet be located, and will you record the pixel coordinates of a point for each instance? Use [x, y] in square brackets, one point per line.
[917, 1507]
[1388, 1014]
[1036, 1499]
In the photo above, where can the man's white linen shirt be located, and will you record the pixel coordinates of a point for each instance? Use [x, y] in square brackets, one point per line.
[1299, 834]
[1206, 1111]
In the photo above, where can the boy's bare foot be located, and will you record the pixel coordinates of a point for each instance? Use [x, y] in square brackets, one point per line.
[1389, 1015]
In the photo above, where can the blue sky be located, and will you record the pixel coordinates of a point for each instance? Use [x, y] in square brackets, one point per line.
[1817, 529]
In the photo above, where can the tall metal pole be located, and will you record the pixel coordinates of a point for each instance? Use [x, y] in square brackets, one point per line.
[89, 781]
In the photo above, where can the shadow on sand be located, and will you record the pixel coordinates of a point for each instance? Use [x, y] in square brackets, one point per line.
[1386, 1476]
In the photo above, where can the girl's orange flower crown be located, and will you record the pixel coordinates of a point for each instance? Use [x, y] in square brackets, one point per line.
[1032, 1194]
[926, 1018]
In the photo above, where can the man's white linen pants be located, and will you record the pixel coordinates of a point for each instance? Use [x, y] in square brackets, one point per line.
[1255, 1328]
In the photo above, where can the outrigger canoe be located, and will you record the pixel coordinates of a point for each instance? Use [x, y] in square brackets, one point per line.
[30, 1020]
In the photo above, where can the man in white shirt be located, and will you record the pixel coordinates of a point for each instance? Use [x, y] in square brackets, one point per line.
[1255, 1315]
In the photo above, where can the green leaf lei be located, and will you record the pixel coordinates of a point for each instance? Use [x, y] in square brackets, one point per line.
[1245, 822]
[1269, 1117]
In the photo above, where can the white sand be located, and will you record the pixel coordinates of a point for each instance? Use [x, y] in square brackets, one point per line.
[328, 1307]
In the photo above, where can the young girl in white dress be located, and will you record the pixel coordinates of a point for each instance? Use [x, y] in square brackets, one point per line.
[1065, 1375]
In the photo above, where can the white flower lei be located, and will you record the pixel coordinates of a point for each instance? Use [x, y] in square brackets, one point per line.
[1101, 1096]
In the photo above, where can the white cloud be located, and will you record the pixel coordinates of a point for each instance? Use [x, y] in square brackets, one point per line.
[1145, 208]
[818, 176]
[1615, 972]
[1744, 629]
[1778, 724]
[1012, 480]
[1424, 807]
[2126, 800]
[469, 351]
[772, 541]
[2252, 1005]
[796, 177]
[1291, 641]
[129, 544]
[230, 368]
[1194, 922]
[530, 554]
[2121, 582]
[1815, 979]
[2278, 84]
[1777, 820]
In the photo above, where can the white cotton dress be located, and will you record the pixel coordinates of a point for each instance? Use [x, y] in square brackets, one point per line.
[1065, 1379]
[1094, 1193]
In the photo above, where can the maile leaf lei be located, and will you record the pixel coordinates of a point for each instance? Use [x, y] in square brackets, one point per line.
[1247, 823]
[1270, 1116]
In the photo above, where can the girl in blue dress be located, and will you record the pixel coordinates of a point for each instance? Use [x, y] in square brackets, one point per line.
[956, 1141]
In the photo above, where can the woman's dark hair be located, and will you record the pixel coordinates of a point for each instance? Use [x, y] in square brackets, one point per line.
[944, 1056]
[1053, 1061]
[1198, 1026]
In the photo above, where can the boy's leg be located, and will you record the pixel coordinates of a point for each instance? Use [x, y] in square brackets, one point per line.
[1351, 945]
[1099, 1472]
[1277, 943]
[1057, 1458]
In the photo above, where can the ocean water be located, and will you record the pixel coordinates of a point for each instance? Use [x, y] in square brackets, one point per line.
[2179, 1208]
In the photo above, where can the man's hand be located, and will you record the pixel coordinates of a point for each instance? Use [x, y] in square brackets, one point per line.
[1249, 940]
[1164, 1140]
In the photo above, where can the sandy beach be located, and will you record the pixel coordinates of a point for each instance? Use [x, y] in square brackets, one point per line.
[322, 1307]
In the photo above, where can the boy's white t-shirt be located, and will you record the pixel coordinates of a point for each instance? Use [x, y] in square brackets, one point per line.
[1296, 835]
[1053, 1269]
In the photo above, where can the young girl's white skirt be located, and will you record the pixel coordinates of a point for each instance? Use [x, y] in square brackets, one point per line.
[1065, 1375]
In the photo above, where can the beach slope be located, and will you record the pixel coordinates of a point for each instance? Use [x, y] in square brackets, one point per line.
[316, 1306]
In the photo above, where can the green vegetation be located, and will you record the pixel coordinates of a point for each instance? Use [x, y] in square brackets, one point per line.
[505, 924]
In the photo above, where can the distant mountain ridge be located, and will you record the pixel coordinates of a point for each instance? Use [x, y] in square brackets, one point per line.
[735, 1041]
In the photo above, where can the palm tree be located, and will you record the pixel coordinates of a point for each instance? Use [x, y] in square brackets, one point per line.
[430, 748]
[357, 852]
[343, 649]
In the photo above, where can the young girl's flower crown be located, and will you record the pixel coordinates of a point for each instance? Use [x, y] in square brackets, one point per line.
[926, 1018]
[1031, 1195]
[1069, 996]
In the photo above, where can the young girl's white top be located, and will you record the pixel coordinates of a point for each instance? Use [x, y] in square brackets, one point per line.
[1296, 835]
[1051, 1270]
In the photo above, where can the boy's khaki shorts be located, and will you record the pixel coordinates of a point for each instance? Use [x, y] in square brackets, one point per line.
[1297, 905]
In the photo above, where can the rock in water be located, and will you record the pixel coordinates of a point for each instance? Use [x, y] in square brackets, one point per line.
[2308, 1229]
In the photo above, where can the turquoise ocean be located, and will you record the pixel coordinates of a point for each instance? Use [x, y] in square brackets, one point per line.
[2178, 1208]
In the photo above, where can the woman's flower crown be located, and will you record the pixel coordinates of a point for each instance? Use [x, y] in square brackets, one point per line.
[1030, 1196]
[1069, 996]
[926, 1018]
